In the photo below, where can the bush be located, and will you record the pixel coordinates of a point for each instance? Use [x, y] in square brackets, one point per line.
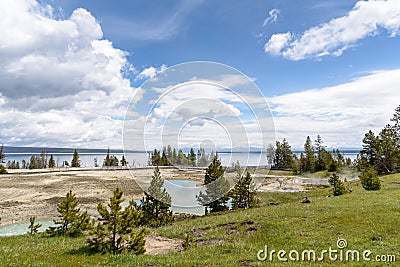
[3, 169]
[71, 222]
[338, 186]
[116, 230]
[369, 179]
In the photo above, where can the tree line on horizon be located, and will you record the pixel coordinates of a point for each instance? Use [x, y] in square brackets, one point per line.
[314, 158]
[171, 156]
[44, 161]
[380, 152]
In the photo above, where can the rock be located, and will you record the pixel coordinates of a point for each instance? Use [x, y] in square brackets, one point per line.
[306, 200]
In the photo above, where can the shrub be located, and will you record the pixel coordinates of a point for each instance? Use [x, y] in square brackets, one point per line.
[3, 169]
[338, 186]
[116, 231]
[369, 179]
[71, 222]
[33, 228]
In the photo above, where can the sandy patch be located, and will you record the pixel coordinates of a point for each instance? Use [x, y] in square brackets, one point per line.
[161, 245]
[26, 193]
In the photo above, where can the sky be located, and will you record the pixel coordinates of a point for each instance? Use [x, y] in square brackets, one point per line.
[69, 69]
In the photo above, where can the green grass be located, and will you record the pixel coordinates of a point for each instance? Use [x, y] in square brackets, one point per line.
[367, 220]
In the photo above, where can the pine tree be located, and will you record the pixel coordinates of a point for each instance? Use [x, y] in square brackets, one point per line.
[243, 195]
[24, 166]
[396, 120]
[33, 228]
[107, 160]
[164, 160]
[309, 156]
[192, 157]
[174, 156]
[156, 203]
[181, 158]
[116, 231]
[2, 157]
[42, 160]
[75, 159]
[215, 197]
[52, 163]
[338, 186]
[114, 160]
[123, 161]
[270, 154]
[369, 179]
[32, 163]
[71, 222]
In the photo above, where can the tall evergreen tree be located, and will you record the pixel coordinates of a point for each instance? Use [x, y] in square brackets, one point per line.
[2, 157]
[156, 203]
[215, 197]
[283, 155]
[107, 159]
[270, 154]
[52, 163]
[43, 159]
[181, 158]
[396, 121]
[192, 157]
[321, 152]
[243, 195]
[116, 230]
[309, 155]
[123, 161]
[75, 162]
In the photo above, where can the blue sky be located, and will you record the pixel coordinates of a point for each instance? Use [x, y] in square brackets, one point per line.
[325, 67]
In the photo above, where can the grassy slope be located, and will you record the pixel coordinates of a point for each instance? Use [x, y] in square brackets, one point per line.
[367, 220]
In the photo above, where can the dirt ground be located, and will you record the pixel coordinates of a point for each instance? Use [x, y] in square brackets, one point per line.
[28, 193]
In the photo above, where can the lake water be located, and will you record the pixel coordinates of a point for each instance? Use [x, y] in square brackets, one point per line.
[22, 227]
[140, 159]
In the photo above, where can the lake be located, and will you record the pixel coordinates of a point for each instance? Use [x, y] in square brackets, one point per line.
[139, 158]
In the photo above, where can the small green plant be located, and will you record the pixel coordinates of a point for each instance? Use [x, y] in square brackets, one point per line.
[71, 222]
[188, 241]
[243, 195]
[156, 204]
[116, 231]
[338, 186]
[369, 179]
[33, 228]
[3, 169]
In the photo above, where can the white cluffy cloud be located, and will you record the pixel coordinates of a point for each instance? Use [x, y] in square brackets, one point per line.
[150, 72]
[272, 16]
[337, 35]
[341, 114]
[61, 83]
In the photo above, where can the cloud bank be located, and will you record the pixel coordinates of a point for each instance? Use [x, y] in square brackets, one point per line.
[367, 18]
[60, 80]
[341, 114]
